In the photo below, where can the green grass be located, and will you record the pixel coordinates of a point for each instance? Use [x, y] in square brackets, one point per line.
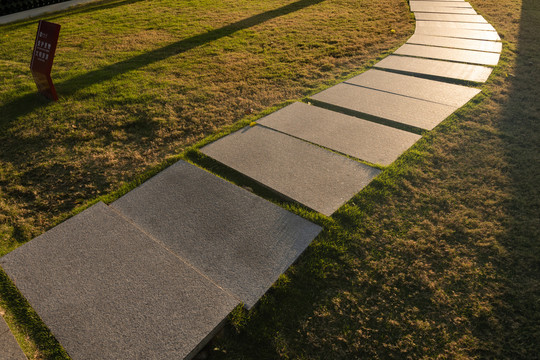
[139, 81]
[437, 258]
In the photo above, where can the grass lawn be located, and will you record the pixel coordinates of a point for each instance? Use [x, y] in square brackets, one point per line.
[438, 258]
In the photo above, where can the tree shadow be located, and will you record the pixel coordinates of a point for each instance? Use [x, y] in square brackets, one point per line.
[516, 334]
[26, 104]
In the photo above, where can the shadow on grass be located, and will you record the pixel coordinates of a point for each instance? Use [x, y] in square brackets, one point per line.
[23, 314]
[28, 103]
[517, 333]
[507, 328]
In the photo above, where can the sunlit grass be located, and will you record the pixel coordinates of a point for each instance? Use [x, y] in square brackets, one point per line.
[140, 81]
[436, 258]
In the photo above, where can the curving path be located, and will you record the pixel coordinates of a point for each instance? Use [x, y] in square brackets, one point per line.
[156, 273]
[373, 117]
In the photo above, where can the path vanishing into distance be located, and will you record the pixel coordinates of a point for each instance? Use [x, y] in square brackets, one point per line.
[155, 274]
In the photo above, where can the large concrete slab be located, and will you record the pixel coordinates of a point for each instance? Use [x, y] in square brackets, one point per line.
[454, 25]
[466, 44]
[424, 89]
[450, 17]
[108, 291]
[460, 4]
[240, 241]
[444, 10]
[9, 348]
[438, 68]
[356, 137]
[459, 55]
[401, 109]
[442, 1]
[459, 33]
[315, 177]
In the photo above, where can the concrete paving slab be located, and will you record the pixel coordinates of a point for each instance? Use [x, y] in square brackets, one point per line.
[9, 348]
[108, 291]
[459, 33]
[319, 179]
[438, 68]
[444, 1]
[443, 10]
[460, 4]
[240, 241]
[401, 109]
[460, 55]
[349, 135]
[450, 17]
[466, 44]
[454, 25]
[424, 89]
[21, 15]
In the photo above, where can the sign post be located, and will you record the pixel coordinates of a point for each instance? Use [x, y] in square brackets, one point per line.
[43, 56]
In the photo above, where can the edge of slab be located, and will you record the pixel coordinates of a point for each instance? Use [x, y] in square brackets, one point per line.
[9, 347]
[298, 193]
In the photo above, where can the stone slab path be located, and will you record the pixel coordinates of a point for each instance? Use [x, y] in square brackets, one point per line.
[436, 68]
[412, 89]
[317, 178]
[466, 44]
[423, 25]
[9, 348]
[106, 290]
[405, 110]
[451, 54]
[230, 235]
[459, 30]
[445, 10]
[155, 274]
[416, 5]
[450, 17]
[415, 87]
[365, 140]
[114, 285]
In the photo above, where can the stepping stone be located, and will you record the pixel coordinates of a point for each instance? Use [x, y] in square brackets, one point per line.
[466, 56]
[108, 291]
[424, 89]
[401, 109]
[443, 10]
[356, 137]
[466, 44]
[438, 68]
[9, 348]
[459, 4]
[240, 241]
[454, 25]
[450, 17]
[317, 178]
[458, 33]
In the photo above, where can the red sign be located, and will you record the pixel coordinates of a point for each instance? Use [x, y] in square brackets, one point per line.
[43, 56]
